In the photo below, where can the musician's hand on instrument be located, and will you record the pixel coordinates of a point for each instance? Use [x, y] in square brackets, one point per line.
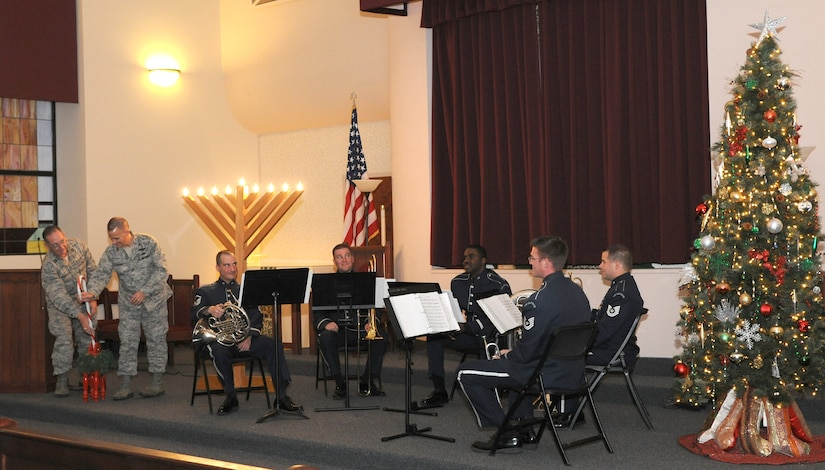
[502, 353]
[331, 326]
[244, 345]
[216, 311]
[138, 298]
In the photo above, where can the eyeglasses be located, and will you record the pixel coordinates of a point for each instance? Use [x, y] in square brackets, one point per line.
[530, 259]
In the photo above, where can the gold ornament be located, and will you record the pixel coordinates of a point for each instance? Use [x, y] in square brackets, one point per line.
[757, 362]
[745, 299]
[776, 331]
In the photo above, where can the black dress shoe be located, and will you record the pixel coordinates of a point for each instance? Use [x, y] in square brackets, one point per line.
[340, 392]
[370, 390]
[438, 397]
[229, 405]
[562, 420]
[286, 404]
[509, 443]
[528, 439]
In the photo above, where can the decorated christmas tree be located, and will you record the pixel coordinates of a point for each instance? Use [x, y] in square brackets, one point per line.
[752, 321]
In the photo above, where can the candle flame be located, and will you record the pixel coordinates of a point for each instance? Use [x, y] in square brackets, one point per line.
[185, 192]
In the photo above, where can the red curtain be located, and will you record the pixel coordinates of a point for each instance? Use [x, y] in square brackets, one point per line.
[580, 118]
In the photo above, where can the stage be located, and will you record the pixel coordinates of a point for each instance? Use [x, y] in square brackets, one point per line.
[352, 439]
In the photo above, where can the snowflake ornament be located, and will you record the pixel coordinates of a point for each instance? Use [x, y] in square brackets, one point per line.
[727, 312]
[748, 333]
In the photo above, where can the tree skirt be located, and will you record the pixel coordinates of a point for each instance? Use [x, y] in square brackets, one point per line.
[736, 455]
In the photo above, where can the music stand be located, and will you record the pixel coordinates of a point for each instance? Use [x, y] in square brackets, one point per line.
[410, 429]
[260, 287]
[345, 293]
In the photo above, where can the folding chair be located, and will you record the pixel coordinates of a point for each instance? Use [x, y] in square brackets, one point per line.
[617, 364]
[569, 343]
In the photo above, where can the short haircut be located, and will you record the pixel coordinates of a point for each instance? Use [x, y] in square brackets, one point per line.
[50, 230]
[222, 253]
[482, 252]
[620, 253]
[552, 248]
[117, 223]
[339, 246]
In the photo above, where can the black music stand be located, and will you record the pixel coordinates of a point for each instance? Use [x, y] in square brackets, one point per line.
[410, 429]
[345, 293]
[260, 287]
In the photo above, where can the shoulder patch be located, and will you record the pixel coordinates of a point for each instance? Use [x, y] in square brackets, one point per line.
[197, 300]
[529, 322]
[613, 310]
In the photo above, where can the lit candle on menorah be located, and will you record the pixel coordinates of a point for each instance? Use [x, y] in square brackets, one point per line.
[240, 220]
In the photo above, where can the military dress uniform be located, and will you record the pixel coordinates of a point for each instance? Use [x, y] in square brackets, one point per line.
[615, 316]
[220, 292]
[139, 267]
[465, 287]
[558, 302]
[59, 281]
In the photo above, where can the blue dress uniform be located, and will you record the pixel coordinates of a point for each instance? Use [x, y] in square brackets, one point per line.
[220, 292]
[558, 302]
[465, 287]
[615, 316]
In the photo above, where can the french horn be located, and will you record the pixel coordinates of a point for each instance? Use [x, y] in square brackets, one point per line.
[228, 330]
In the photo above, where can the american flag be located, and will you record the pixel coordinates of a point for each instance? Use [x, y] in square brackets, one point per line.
[354, 233]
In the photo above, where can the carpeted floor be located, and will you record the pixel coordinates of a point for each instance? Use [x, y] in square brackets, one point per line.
[352, 439]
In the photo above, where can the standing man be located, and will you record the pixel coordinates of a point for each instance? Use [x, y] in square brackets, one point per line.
[331, 336]
[615, 316]
[143, 291]
[210, 301]
[475, 280]
[558, 302]
[66, 260]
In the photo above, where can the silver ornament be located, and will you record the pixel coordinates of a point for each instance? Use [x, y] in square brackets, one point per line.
[805, 206]
[775, 225]
[783, 83]
[769, 143]
[817, 289]
[785, 189]
[707, 242]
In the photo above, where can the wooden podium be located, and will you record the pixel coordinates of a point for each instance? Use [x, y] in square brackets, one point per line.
[25, 341]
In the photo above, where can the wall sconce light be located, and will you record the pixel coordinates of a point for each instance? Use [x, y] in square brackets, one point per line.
[164, 77]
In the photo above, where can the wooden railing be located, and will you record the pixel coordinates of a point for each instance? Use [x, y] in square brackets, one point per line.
[24, 449]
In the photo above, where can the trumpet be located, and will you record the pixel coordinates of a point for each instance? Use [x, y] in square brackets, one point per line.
[491, 349]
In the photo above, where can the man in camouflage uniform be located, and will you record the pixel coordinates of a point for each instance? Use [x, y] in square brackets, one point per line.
[143, 291]
[66, 260]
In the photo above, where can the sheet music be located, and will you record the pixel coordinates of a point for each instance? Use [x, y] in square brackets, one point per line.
[502, 312]
[424, 313]
[459, 316]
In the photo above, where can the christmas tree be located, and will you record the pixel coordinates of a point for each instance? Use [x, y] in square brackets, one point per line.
[752, 321]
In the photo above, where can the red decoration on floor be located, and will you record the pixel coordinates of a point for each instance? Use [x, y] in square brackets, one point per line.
[736, 455]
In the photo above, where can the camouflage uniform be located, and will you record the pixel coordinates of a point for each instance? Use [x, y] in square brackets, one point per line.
[59, 280]
[143, 270]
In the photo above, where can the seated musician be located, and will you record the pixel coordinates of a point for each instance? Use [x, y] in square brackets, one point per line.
[331, 337]
[558, 302]
[476, 279]
[615, 317]
[211, 300]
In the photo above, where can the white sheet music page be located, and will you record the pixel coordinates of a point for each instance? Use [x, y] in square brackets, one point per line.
[410, 315]
[502, 312]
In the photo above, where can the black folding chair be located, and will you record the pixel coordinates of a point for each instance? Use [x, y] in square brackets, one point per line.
[617, 364]
[568, 343]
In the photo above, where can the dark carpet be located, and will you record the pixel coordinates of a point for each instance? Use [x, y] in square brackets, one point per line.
[352, 439]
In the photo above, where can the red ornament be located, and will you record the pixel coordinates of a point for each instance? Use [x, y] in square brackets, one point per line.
[680, 369]
[769, 115]
[804, 326]
[701, 209]
[766, 309]
[724, 360]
